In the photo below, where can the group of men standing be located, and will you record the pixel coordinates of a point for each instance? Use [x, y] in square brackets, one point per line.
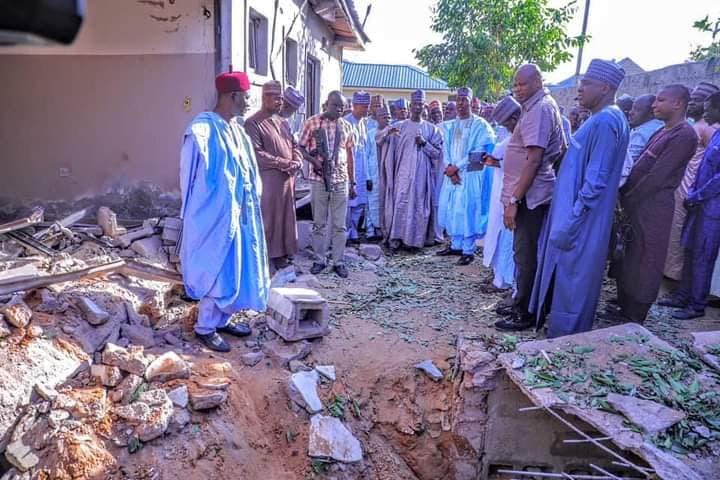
[549, 196]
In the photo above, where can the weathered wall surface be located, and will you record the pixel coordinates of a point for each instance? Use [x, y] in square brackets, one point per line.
[107, 114]
[110, 109]
[688, 74]
[302, 26]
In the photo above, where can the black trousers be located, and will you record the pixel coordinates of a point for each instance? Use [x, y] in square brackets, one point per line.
[528, 224]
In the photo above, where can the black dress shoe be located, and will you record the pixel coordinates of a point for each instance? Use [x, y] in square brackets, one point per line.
[505, 310]
[447, 252]
[465, 260]
[341, 271]
[317, 268]
[672, 301]
[236, 330]
[688, 313]
[214, 341]
[515, 323]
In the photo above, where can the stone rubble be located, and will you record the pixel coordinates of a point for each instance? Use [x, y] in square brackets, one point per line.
[130, 360]
[17, 313]
[168, 366]
[251, 359]
[204, 399]
[302, 389]
[106, 375]
[93, 313]
[179, 396]
[329, 438]
[430, 369]
[282, 353]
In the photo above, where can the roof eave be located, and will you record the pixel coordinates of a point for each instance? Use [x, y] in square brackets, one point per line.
[348, 31]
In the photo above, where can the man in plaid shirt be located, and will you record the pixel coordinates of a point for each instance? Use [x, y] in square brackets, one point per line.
[330, 205]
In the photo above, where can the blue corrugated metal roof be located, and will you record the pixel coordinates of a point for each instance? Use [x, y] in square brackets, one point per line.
[399, 77]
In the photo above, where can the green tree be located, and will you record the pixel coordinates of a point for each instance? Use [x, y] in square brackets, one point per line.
[485, 41]
[713, 50]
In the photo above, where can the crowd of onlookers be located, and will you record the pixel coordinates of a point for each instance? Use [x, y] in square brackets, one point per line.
[625, 187]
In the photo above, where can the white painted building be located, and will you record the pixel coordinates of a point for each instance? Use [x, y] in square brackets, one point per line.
[107, 113]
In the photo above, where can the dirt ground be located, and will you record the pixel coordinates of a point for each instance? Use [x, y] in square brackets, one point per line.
[386, 317]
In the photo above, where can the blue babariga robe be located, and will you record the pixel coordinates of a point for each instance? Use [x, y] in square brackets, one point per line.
[575, 239]
[223, 252]
[356, 206]
[463, 209]
[372, 221]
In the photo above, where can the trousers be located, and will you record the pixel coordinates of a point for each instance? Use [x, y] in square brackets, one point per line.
[329, 208]
[525, 246]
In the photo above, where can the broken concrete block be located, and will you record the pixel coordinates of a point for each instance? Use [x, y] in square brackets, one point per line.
[429, 368]
[180, 418]
[302, 389]
[150, 248]
[281, 353]
[179, 396]
[93, 313]
[132, 360]
[45, 392]
[327, 371]
[21, 456]
[371, 251]
[171, 230]
[17, 313]
[126, 240]
[139, 335]
[297, 313]
[125, 390]
[168, 366]
[329, 438]
[106, 375]
[107, 219]
[252, 358]
[646, 414]
[203, 399]
[151, 414]
[702, 343]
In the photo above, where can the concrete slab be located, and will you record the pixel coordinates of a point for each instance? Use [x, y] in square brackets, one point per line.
[604, 349]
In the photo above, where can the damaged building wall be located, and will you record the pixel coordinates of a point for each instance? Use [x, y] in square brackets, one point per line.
[296, 26]
[107, 112]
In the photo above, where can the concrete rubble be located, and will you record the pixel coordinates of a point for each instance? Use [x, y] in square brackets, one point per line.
[89, 318]
[430, 369]
[329, 438]
[650, 416]
[302, 389]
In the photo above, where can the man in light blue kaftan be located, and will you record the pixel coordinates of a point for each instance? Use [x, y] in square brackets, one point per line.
[574, 245]
[223, 253]
[358, 119]
[372, 172]
[464, 201]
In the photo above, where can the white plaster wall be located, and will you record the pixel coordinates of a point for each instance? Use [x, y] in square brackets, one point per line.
[308, 34]
[138, 27]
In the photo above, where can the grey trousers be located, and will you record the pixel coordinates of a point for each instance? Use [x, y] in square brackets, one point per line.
[329, 208]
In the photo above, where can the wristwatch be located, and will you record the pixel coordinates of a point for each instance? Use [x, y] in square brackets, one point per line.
[514, 200]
